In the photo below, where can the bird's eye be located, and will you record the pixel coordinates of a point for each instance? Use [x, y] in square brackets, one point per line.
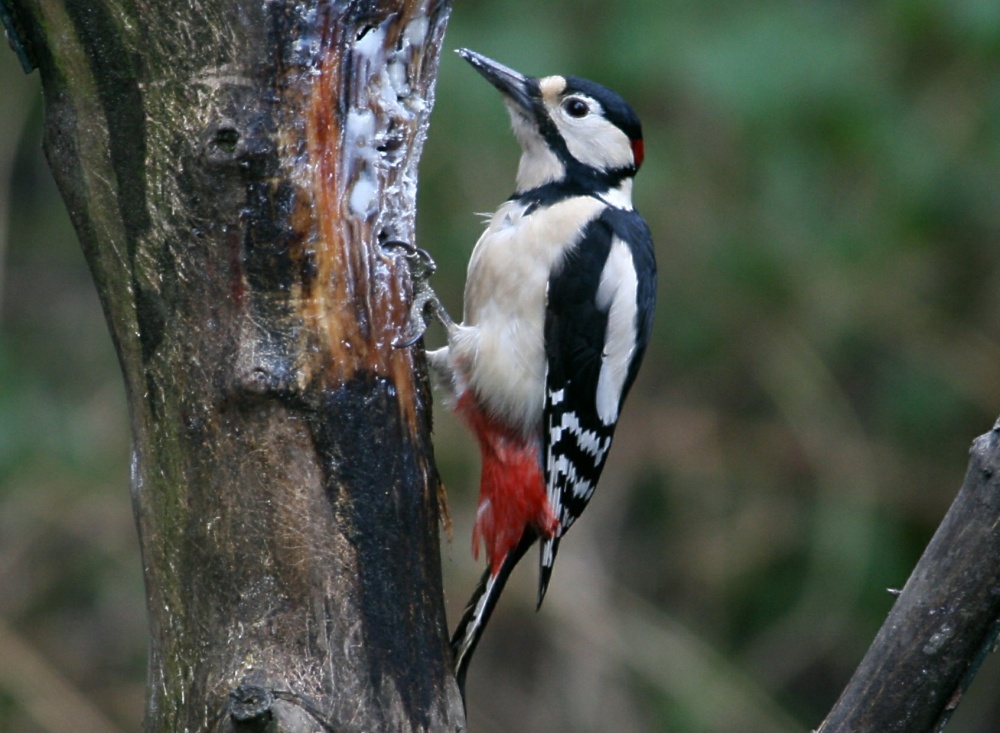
[576, 107]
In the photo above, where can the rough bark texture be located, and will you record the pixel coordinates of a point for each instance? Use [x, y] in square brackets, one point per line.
[944, 622]
[231, 168]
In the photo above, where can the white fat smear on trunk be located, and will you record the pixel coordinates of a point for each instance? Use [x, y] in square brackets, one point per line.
[416, 31]
[382, 76]
[359, 132]
[370, 44]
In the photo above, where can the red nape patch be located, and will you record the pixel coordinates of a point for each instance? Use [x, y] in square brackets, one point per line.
[512, 492]
[638, 152]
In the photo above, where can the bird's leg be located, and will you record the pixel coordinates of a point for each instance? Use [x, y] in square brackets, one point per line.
[425, 303]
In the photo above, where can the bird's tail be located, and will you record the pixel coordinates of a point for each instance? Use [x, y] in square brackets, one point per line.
[480, 608]
[547, 558]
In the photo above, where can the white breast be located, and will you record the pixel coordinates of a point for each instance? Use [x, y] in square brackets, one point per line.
[499, 348]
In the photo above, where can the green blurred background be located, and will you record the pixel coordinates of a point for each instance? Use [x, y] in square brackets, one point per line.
[822, 184]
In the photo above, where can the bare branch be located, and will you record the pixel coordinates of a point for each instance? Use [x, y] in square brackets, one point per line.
[944, 622]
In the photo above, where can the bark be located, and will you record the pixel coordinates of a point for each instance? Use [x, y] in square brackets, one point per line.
[231, 169]
[943, 624]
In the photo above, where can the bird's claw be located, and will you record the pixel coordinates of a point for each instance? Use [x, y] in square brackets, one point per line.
[425, 303]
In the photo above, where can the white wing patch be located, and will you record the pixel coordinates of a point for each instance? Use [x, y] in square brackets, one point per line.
[617, 294]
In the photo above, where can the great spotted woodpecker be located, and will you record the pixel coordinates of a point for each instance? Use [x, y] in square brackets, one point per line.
[558, 309]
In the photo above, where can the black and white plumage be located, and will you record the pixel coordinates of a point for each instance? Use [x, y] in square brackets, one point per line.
[598, 317]
[558, 311]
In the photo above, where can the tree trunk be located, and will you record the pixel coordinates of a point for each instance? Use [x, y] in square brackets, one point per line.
[232, 169]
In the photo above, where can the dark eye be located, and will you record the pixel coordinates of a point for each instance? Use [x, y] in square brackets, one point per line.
[576, 107]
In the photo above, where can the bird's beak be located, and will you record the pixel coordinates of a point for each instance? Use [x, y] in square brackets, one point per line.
[518, 88]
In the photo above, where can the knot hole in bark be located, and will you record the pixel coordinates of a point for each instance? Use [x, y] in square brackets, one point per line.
[226, 138]
[222, 143]
[243, 144]
[250, 708]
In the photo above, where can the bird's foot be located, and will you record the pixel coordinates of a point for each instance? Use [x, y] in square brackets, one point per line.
[426, 304]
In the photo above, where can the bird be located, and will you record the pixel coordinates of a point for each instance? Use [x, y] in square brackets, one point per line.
[558, 310]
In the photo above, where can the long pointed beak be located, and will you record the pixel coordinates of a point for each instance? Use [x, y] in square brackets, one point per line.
[517, 87]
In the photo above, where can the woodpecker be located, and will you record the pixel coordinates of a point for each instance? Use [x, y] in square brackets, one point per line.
[558, 310]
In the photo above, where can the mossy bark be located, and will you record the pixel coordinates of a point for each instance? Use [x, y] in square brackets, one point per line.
[232, 169]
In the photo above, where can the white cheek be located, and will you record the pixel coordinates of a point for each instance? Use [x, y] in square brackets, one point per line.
[594, 141]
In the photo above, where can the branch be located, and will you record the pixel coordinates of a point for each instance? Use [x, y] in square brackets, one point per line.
[943, 624]
[231, 170]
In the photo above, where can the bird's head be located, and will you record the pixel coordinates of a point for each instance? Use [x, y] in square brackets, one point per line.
[570, 129]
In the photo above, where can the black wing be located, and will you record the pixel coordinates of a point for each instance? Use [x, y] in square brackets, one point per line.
[581, 410]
